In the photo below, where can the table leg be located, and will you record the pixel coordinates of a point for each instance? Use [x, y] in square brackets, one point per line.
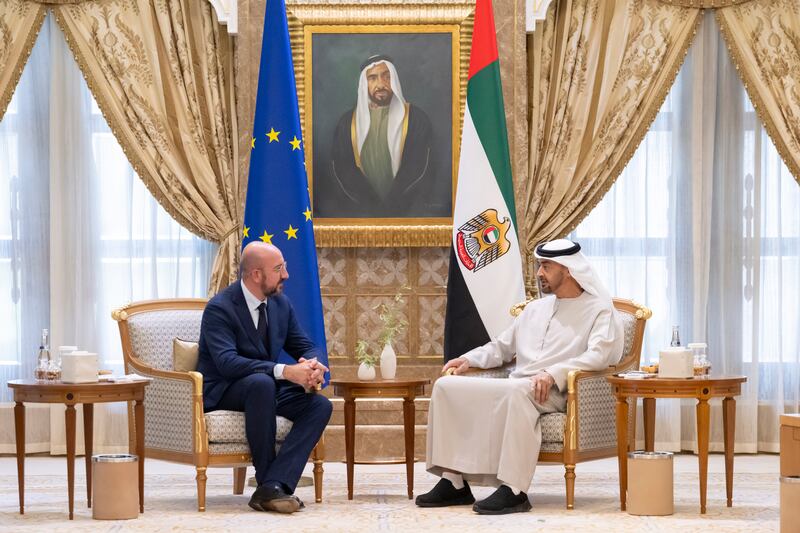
[69, 419]
[349, 441]
[88, 444]
[729, 427]
[138, 413]
[19, 434]
[649, 415]
[408, 431]
[622, 449]
[703, 411]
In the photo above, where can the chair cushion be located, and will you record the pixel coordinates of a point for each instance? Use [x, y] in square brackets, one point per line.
[553, 427]
[184, 355]
[228, 427]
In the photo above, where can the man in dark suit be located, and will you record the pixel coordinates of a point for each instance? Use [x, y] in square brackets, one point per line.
[244, 329]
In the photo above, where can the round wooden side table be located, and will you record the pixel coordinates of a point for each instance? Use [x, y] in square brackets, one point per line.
[405, 389]
[70, 394]
[701, 388]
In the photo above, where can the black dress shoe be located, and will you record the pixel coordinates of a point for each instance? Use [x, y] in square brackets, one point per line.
[274, 498]
[503, 501]
[302, 505]
[444, 494]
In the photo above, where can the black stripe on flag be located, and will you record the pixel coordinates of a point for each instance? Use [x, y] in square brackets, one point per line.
[463, 327]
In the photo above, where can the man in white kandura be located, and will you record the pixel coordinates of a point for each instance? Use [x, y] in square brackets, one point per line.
[486, 430]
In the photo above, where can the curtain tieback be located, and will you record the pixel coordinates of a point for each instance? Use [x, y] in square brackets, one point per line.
[230, 232]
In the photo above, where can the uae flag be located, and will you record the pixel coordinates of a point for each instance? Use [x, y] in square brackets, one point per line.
[485, 274]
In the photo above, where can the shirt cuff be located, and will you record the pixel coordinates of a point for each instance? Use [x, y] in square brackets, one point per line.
[277, 371]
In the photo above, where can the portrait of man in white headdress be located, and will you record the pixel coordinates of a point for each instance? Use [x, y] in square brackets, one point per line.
[381, 160]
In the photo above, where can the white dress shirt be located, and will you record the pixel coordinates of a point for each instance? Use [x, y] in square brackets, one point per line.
[252, 306]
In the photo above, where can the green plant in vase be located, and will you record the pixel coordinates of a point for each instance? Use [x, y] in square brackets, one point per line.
[367, 361]
[392, 325]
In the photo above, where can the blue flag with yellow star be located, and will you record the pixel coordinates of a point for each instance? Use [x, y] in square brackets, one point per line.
[277, 209]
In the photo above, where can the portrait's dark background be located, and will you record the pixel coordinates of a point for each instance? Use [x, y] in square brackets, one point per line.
[424, 66]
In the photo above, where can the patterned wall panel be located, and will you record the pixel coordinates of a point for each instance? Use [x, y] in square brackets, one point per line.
[433, 263]
[335, 310]
[381, 267]
[355, 281]
[431, 324]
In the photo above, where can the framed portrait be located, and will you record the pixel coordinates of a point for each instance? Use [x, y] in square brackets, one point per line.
[381, 107]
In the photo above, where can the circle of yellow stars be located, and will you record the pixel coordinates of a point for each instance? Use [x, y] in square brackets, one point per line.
[291, 231]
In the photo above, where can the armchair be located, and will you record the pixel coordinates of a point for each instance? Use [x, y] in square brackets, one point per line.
[177, 428]
[587, 430]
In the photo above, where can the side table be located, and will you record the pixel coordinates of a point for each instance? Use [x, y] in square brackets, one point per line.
[701, 388]
[70, 394]
[405, 389]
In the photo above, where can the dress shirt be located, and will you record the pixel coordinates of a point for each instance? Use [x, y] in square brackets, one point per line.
[252, 306]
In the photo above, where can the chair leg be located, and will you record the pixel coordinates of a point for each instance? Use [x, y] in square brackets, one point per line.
[239, 475]
[319, 456]
[569, 476]
[201, 488]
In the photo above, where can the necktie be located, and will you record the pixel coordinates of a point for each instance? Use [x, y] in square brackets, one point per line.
[261, 329]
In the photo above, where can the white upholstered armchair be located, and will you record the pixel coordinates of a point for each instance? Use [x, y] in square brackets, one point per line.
[176, 428]
[587, 430]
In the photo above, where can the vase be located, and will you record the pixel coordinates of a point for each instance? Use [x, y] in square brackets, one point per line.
[388, 362]
[366, 373]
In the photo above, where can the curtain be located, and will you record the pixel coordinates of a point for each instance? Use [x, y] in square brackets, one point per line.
[162, 75]
[101, 241]
[25, 238]
[20, 22]
[703, 226]
[764, 39]
[600, 71]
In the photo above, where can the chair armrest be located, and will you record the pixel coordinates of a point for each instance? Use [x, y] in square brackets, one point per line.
[496, 372]
[174, 418]
[591, 410]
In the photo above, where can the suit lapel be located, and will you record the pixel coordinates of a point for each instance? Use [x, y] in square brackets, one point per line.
[240, 304]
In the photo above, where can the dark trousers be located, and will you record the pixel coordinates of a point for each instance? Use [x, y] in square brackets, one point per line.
[261, 398]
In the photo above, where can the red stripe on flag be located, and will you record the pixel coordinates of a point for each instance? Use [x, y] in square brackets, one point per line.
[484, 38]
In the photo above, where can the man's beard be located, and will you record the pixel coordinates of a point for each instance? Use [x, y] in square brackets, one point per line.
[545, 286]
[384, 101]
[277, 289]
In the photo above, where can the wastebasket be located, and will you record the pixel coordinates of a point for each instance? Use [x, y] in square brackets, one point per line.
[650, 483]
[790, 504]
[115, 487]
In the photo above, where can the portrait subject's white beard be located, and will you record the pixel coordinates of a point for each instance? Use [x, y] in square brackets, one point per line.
[397, 111]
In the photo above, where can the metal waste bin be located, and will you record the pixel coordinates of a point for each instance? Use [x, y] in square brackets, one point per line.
[650, 484]
[790, 504]
[115, 480]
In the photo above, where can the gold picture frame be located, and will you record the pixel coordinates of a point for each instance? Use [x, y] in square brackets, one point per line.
[327, 23]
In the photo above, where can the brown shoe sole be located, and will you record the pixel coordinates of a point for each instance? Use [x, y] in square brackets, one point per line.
[286, 505]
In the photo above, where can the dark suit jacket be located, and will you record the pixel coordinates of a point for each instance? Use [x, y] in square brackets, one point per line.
[229, 345]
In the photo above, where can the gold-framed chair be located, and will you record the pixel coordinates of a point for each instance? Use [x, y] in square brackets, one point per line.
[587, 430]
[177, 429]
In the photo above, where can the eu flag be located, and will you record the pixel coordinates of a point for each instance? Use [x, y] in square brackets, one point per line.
[277, 209]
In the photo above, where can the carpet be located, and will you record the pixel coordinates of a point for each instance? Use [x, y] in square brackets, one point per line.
[380, 504]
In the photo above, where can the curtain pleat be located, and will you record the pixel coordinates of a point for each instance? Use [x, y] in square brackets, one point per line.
[20, 22]
[161, 74]
[603, 68]
[763, 37]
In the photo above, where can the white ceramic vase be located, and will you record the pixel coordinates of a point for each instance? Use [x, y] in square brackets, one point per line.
[366, 373]
[388, 362]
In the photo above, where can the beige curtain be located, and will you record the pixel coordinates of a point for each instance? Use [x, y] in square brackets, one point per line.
[763, 37]
[20, 22]
[161, 73]
[600, 72]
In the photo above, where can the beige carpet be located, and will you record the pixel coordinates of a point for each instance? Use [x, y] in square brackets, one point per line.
[380, 504]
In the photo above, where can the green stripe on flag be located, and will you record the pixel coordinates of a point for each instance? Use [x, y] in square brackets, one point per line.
[485, 101]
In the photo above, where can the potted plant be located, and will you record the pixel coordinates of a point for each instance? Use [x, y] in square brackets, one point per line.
[392, 325]
[366, 368]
